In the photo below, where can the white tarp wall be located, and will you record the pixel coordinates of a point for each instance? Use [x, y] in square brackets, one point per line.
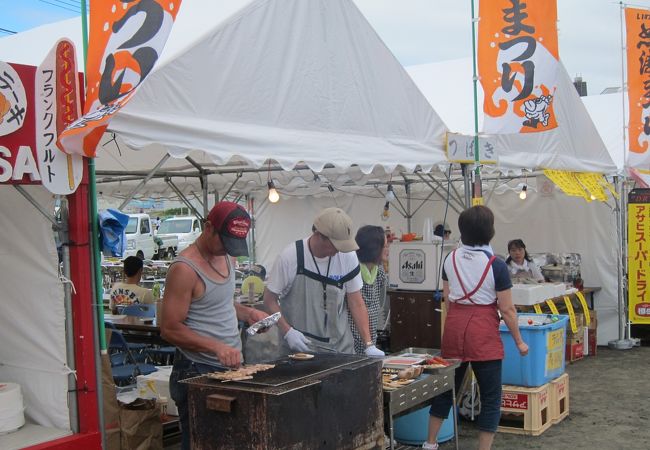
[32, 313]
[553, 223]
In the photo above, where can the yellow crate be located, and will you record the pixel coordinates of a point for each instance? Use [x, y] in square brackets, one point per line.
[559, 400]
[525, 410]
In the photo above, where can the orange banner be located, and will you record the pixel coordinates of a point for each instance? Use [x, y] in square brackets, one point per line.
[518, 62]
[637, 24]
[126, 39]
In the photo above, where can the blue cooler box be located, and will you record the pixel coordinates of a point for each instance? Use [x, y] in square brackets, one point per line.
[413, 428]
[546, 340]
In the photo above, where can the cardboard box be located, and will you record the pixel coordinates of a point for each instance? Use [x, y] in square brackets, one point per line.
[156, 385]
[575, 347]
[592, 341]
[580, 322]
[594, 320]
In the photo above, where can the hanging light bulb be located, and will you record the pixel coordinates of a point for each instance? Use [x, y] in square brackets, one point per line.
[523, 194]
[273, 193]
[385, 213]
[390, 194]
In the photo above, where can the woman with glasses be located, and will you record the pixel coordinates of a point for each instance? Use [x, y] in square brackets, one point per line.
[521, 265]
[373, 251]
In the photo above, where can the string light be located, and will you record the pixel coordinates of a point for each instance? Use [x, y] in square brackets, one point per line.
[385, 213]
[523, 194]
[274, 197]
[390, 194]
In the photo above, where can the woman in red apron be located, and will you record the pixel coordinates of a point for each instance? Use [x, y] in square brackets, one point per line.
[476, 287]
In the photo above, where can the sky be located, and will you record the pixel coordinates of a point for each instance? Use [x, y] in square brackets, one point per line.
[423, 31]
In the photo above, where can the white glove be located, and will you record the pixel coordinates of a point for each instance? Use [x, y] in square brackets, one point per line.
[296, 340]
[374, 352]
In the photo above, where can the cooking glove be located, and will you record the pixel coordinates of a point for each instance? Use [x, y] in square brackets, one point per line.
[296, 340]
[373, 351]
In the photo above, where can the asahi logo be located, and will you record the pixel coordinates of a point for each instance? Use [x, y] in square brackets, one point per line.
[412, 266]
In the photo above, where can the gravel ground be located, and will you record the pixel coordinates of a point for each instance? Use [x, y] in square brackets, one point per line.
[609, 408]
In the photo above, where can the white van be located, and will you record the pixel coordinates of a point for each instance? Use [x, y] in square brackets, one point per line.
[186, 229]
[139, 237]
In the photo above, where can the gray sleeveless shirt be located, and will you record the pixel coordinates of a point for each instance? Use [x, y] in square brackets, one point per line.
[213, 314]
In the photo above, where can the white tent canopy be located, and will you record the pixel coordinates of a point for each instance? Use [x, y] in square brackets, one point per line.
[294, 81]
[574, 145]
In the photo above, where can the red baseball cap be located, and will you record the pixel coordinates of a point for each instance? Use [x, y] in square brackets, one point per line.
[232, 222]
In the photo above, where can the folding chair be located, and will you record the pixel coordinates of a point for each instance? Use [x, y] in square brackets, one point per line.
[115, 345]
[140, 310]
[127, 372]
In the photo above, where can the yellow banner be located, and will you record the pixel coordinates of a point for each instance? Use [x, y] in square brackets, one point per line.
[638, 257]
[552, 307]
[572, 315]
[518, 64]
[637, 24]
[585, 309]
[590, 186]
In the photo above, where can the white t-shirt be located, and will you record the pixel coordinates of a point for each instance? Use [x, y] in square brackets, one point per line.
[471, 263]
[283, 271]
[527, 266]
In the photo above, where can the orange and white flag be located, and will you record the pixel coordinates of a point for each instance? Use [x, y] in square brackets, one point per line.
[637, 25]
[518, 63]
[126, 40]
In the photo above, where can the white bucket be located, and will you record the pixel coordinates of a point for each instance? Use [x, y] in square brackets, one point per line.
[12, 410]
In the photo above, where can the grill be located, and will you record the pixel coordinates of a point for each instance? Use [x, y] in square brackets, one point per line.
[332, 401]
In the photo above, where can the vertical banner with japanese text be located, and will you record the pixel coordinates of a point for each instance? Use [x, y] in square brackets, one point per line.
[638, 255]
[57, 105]
[126, 39]
[518, 62]
[637, 25]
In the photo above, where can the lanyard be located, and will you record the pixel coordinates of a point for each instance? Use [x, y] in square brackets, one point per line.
[329, 261]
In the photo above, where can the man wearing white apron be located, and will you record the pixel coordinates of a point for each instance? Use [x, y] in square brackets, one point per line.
[313, 283]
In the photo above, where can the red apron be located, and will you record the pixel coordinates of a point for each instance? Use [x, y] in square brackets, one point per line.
[472, 331]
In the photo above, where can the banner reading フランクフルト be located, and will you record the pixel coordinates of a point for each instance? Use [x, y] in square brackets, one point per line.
[518, 63]
[126, 40]
[637, 24]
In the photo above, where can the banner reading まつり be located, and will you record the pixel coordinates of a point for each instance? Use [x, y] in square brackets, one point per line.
[518, 64]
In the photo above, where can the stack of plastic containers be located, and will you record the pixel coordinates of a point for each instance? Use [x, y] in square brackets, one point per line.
[525, 407]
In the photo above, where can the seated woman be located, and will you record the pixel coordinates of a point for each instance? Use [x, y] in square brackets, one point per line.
[521, 265]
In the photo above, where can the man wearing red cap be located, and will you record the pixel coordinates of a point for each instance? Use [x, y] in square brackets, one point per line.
[199, 315]
[314, 282]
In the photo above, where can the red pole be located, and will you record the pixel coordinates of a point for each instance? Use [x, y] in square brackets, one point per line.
[82, 305]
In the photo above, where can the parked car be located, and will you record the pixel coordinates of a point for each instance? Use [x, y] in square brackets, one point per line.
[186, 229]
[166, 246]
[139, 237]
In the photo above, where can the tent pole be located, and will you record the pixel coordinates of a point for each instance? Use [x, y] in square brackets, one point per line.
[67, 296]
[142, 183]
[407, 188]
[204, 188]
[477, 193]
[621, 343]
[468, 185]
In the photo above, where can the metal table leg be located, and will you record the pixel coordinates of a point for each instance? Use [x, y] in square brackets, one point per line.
[390, 430]
[453, 408]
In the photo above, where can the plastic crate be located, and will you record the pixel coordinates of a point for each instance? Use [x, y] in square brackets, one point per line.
[546, 341]
[525, 410]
